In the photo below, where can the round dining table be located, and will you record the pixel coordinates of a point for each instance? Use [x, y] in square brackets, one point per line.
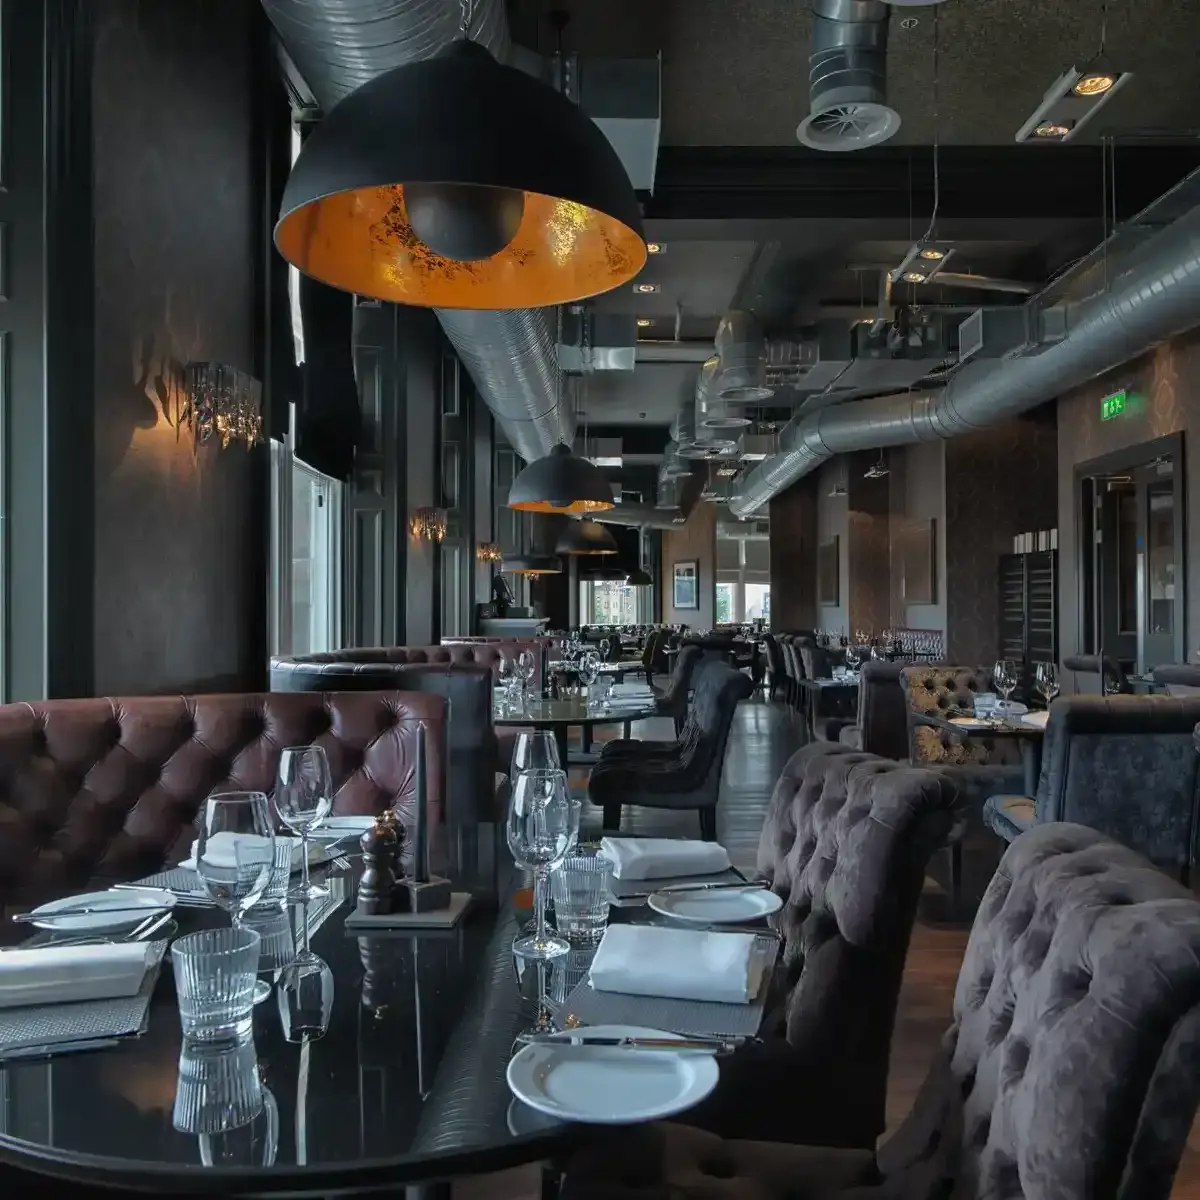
[405, 1090]
[558, 716]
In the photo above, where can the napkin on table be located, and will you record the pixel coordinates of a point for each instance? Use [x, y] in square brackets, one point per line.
[59, 974]
[221, 850]
[683, 964]
[663, 858]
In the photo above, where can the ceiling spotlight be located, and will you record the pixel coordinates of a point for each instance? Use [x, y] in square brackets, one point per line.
[644, 322]
[1070, 103]
[646, 289]
[922, 261]
[655, 247]
[1094, 85]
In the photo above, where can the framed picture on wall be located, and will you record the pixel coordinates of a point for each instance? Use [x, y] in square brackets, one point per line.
[686, 580]
[828, 590]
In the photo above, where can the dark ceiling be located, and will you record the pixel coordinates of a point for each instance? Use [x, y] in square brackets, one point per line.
[735, 72]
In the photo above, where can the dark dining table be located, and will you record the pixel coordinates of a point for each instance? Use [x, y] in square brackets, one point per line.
[405, 1090]
[1029, 738]
[558, 716]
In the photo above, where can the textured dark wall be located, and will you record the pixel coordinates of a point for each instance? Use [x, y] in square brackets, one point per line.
[177, 601]
[1164, 388]
[999, 482]
[695, 540]
[867, 546]
[918, 494]
[794, 556]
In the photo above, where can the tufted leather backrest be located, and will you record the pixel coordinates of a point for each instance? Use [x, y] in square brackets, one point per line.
[949, 691]
[485, 654]
[1072, 1068]
[1125, 765]
[94, 792]
[851, 836]
[470, 734]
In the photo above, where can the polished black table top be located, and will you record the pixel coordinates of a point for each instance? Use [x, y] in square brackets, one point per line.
[408, 1084]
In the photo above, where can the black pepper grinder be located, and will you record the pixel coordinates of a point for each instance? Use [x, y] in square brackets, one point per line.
[379, 873]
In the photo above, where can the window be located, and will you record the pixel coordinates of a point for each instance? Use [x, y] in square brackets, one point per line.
[758, 601]
[609, 602]
[726, 603]
[306, 556]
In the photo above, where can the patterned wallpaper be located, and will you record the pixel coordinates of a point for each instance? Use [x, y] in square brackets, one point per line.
[999, 482]
[1164, 387]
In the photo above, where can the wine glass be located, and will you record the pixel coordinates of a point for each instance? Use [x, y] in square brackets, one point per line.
[1047, 681]
[605, 648]
[235, 856]
[535, 750]
[543, 826]
[589, 668]
[1005, 677]
[303, 799]
[305, 992]
[526, 667]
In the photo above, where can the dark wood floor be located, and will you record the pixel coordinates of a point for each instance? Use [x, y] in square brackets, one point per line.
[764, 737]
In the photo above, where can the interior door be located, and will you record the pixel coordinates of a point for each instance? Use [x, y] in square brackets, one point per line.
[1117, 569]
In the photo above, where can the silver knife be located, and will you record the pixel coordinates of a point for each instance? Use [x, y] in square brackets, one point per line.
[674, 888]
[711, 1045]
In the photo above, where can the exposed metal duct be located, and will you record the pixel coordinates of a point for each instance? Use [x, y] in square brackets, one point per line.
[847, 77]
[339, 45]
[1155, 298]
[742, 374]
[715, 417]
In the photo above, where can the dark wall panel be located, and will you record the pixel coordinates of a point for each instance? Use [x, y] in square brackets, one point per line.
[177, 598]
[794, 556]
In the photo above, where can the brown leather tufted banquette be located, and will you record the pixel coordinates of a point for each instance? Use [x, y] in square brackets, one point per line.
[486, 654]
[94, 792]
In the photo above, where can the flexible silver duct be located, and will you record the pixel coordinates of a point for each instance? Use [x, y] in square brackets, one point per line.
[641, 514]
[1157, 297]
[338, 45]
[742, 350]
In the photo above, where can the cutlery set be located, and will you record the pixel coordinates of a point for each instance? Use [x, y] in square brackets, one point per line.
[707, 1045]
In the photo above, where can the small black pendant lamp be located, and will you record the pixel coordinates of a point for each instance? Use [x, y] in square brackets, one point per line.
[532, 564]
[586, 538]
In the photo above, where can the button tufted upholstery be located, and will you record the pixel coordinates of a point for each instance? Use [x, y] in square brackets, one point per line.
[1071, 1069]
[363, 658]
[950, 692]
[94, 792]
[1125, 765]
[846, 845]
[471, 745]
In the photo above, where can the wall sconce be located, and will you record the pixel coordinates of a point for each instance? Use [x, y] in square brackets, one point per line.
[223, 401]
[488, 552]
[428, 524]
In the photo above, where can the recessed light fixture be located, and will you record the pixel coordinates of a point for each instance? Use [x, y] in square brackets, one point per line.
[1094, 85]
[646, 289]
[923, 260]
[655, 247]
[644, 322]
[726, 472]
[1071, 102]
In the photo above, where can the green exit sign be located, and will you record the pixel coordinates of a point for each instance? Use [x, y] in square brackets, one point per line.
[1112, 406]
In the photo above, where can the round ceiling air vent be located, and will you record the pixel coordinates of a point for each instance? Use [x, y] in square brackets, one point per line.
[748, 394]
[851, 126]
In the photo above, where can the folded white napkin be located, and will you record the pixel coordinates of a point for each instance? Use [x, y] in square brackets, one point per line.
[631, 691]
[663, 858]
[683, 964]
[222, 852]
[1040, 717]
[56, 975]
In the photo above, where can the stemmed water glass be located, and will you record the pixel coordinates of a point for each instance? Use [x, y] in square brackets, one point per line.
[1047, 681]
[1005, 677]
[305, 993]
[526, 668]
[303, 799]
[542, 828]
[236, 868]
[535, 750]
[605, 648]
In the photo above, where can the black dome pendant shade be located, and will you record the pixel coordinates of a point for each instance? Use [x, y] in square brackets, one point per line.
[562, 483]
[639, 578]
[457, 182]
[531, 564]
[586, 537]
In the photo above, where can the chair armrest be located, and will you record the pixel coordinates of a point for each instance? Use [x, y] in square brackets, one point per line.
[942, 726]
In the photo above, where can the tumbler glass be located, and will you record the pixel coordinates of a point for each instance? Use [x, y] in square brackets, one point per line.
[581, 887]
[215, 973]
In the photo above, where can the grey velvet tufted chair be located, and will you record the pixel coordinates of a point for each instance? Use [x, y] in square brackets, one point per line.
[846, 848]
[1071, 1070]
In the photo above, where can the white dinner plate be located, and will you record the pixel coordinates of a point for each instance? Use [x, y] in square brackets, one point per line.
[336, 828]
[611, 1085]
[721, 906]
[146, 901]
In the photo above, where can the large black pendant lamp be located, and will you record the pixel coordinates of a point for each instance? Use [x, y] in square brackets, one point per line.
[561, 482]
[639, 578]
[457, 182]
[585, 538]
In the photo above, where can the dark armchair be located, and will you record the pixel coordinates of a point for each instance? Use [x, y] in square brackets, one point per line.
[1125, 765]
[686, 774]
[1096, 675]
[1069, 1070]
[674, 701]
[881, 726]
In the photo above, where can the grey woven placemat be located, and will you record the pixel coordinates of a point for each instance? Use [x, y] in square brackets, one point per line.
[180, 880]
[47, 1024]
[699, 1017]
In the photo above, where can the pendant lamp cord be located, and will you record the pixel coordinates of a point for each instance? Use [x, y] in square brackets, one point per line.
[464, 19]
